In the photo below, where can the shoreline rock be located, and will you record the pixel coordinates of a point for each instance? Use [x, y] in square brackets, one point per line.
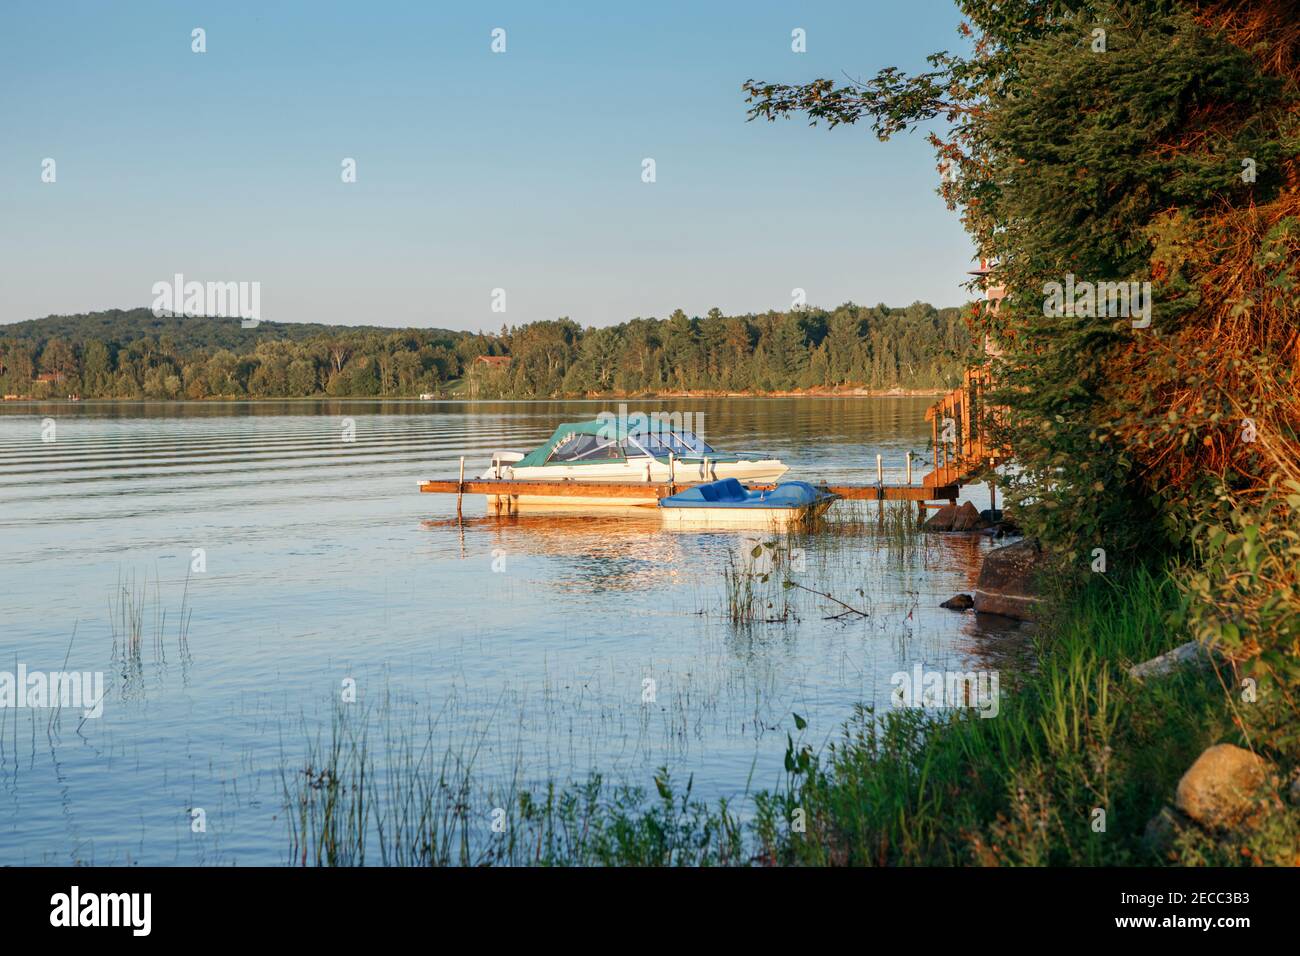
[956, 518]
[1006, 583]
[1226, 790]
[1226, 787]
[1183, 655]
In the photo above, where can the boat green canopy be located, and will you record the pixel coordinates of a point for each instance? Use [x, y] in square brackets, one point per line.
[603, 440]
[600, 432]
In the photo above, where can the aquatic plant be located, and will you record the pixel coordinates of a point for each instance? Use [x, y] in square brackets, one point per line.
[129, 607]
[406, 803]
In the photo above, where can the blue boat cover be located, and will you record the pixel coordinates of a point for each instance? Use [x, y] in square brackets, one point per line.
[730, 493]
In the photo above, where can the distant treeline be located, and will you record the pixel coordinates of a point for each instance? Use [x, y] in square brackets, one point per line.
[135, 354]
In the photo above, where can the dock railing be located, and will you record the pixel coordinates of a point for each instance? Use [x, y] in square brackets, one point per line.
[960, 426]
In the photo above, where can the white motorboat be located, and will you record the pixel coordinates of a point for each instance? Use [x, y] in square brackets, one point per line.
[595, 451]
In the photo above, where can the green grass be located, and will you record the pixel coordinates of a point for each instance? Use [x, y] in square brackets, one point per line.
[1021, 787]
[1076, 737]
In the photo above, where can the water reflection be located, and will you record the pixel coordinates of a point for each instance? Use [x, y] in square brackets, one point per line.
[598, 552]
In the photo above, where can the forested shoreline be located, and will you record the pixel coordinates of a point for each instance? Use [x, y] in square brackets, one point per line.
[133, 354]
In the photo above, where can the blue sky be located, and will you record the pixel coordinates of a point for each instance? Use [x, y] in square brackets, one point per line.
[475, 170]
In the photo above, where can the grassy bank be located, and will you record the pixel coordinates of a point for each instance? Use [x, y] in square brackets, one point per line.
[1077, 736]
[1025, 787]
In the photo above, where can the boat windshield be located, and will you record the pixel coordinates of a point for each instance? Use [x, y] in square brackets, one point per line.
[683, 444]
[585, 448]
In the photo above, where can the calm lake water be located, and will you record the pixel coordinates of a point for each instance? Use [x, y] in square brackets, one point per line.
[525, 642]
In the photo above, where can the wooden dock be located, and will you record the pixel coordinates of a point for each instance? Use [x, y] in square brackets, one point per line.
[506, 492]
[652, 491]
[963, 454]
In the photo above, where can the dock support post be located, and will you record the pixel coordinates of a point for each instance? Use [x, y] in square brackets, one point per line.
[880, 487]
[934, 442]
[909, 467]
[460, 485]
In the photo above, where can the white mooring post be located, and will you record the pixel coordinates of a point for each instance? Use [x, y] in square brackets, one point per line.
[460, 485]
[909, 467]
[880, 486]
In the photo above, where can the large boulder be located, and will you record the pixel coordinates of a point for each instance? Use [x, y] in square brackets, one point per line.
[1226, 787]
[953, 518]
[941, 520]
[968, 518]
[958, 602]
[1006, 583]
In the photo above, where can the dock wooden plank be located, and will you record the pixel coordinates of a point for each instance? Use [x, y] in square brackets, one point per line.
[583, 489]
[895, 492]
[651, 490]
